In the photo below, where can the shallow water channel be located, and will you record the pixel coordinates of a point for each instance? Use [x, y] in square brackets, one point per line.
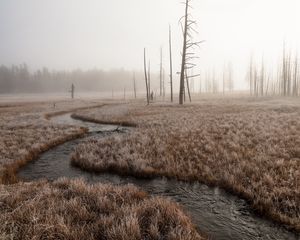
[218, 214]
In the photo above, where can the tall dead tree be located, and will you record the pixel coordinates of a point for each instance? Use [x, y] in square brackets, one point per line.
[160, 73]
[149, 82]
[262, 78]
[224, 79]
[146, 76]
[230, 80]
[284, 72]
[251, 76]
[289, 72]
[134, 86]
[171, 64]
[295, 85]
[163, 83]
[188, 45]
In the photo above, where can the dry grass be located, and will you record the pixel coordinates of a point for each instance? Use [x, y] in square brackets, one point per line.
[251, 148]
[70, 210]
[25, 132]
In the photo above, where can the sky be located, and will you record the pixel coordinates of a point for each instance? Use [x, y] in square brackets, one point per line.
[70, 34]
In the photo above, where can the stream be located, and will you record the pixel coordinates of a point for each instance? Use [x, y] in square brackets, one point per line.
[218, 214]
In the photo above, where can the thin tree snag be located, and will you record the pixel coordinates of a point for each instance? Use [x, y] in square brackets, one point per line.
[183, 60]
[149, 82]
[163, 84]
[160, 74]
[72, 91]
[295, 89]
[171, 64]
[146, 77]
[134, 86]
[251, 76]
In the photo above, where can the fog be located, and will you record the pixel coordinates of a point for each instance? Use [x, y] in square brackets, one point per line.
[65, 35]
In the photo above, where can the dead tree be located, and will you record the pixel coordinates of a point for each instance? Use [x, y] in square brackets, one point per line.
[149, 82]
[134, 86]
[262, 78]
[146, 76]
[295, 85]
[188, 86]
[188, 45]
[72, 91]
[251, 76]
[171, 64]
[289, 78]
[224, 79]
[163, 83]
[230, 77]
[284, 72]
[160, 74]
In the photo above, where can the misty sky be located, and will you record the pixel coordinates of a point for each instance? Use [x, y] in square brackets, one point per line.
[68, 34]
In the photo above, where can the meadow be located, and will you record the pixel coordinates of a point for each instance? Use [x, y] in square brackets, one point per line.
[72, 209]
[250, 147]
[25, 132]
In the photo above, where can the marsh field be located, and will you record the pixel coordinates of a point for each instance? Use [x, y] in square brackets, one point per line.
[247, 147]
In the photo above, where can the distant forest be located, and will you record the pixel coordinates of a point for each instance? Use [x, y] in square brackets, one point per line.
[18, 79]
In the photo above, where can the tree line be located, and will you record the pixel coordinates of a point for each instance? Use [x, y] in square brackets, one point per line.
[284, 81]
[19, 79]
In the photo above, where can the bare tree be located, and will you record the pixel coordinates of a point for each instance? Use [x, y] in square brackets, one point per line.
[149, 82]
[230, 77]
[134, 86]
[160, 74]
[163, 83]
[146, 76]
[284, 72]
[188, 45]
[224, 79]
[262, 78]
[72, 91]
[251, 76]
[171, 64]
[295, 85]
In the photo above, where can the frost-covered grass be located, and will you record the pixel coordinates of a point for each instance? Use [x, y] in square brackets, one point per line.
[249, 147]
[25, 132]
[71, 209]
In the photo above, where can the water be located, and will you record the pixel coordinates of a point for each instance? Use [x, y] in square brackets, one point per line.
[218, 214]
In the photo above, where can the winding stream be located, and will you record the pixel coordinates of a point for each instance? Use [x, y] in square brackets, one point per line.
[220, 215]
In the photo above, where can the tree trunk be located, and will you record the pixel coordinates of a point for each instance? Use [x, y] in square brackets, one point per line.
[188, 87]
[134, 86]
[160, 74]
[171, 64]
[184, 48]
[146, 77]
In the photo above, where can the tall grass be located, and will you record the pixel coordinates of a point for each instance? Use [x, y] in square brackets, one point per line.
[72, 209]
[249, 148]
